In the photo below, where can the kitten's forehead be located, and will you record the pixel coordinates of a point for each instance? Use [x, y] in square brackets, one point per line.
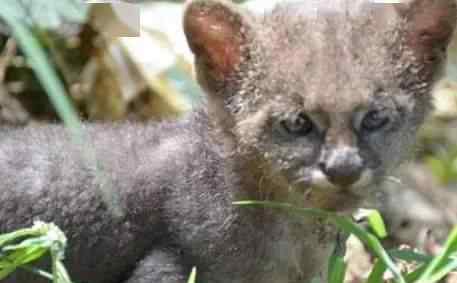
[337, 50]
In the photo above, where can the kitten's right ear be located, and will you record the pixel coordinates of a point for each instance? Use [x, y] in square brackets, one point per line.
[217, 33]
[429, 25]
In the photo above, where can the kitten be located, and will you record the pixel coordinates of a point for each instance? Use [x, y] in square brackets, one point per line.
[312, 104]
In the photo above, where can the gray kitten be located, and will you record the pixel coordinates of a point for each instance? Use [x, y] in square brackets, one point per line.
[312, 104]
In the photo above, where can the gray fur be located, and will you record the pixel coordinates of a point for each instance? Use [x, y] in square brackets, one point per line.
[176, 181]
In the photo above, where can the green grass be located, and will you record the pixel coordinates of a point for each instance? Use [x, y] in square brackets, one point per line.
[430, 270]
[21, 248]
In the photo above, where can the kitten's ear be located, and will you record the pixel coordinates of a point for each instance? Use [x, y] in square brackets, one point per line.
[217, 34]
[429, 26]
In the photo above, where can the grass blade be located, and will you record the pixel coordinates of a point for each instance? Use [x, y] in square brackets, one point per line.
[410, 256]
[193, 276]
[337, 270]
[342, 223]
[44, 72]
[377, 273]
[375, 222]
[440, 261]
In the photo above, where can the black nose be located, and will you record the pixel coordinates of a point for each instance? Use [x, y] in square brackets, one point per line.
[343, 167]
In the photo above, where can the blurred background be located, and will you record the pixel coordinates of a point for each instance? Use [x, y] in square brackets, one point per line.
[70, 60]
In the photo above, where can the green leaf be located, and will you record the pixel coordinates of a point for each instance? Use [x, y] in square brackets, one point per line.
[342, 223]
[375, 221]
[9, 237]
[448, 265]
[62, 274]
[443, 271]
[337, 268]
[20, 257]
[24, 256]
[440, 263]
[377, 273]
[44, 238]
[193, 276]
[4, 272]
[42, 242]
[410, 256]
[414, 275]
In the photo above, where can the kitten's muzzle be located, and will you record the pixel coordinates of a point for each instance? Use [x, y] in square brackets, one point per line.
[343, 166]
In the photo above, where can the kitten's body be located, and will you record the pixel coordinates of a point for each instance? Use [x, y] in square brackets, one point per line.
[176, 186]
[290, 118]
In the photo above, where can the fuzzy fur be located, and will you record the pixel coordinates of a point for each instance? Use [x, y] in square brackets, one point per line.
[175, 182]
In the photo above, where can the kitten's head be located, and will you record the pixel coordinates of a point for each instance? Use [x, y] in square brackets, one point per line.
[328, 94]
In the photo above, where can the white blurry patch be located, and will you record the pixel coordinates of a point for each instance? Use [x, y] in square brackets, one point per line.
[262, 6]
[149, 52]
[167, 19]
[321, 181]
[445, 100]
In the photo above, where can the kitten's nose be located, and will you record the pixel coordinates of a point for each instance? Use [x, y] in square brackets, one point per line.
[343, 167]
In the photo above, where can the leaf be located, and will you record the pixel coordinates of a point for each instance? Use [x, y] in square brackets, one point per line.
[40, 239]
[337, 269]
[4, 272]
[342, 223]
[410, 256]
[62, 273]
[443, 271]
[414, 275]
[5, 238]
[193, 276]
[24, 256]
[20, 257]
[440, 263]
[375, 221]
[377, 273]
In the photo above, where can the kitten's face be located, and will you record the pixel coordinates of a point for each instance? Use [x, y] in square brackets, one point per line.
[331, 146]
[328, 95]
[333, 107]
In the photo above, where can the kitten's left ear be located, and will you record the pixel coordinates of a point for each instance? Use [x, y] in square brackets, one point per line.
[217, 33]
[429, 27]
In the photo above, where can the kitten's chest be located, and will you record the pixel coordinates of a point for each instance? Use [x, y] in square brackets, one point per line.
[284, 250]
[302, 248]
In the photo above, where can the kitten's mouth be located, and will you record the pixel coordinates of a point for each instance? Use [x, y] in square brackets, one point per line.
[318, 180]
[319, 192]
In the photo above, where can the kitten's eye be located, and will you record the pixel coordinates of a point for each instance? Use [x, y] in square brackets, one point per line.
[300, 125]
[375, 120]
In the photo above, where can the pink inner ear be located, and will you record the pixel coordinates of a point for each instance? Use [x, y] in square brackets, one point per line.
[431, 26]
[214, 36]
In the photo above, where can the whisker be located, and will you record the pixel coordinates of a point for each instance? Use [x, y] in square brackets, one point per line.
[394, 179]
